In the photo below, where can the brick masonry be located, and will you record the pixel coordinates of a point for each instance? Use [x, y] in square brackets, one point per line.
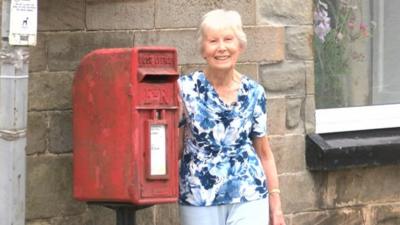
[279, 56]
[187, 13]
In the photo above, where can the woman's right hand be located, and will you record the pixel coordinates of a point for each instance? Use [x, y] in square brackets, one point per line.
[276, 213]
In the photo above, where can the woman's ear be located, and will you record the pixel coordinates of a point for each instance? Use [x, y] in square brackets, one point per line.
[242, 47]
[202, 53]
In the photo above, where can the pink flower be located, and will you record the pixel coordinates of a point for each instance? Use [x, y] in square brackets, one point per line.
[350, 24]
[321, 23]
[364, 29]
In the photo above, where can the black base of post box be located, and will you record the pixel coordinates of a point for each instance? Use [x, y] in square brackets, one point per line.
[125, 213]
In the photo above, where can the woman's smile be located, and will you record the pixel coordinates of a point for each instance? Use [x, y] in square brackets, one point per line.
[223, 57]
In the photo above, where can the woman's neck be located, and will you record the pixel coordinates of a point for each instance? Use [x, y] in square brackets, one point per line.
[225, 83]
[220, 78]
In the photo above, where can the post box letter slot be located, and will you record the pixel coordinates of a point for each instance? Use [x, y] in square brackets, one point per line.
[151, 78]
[151, 75]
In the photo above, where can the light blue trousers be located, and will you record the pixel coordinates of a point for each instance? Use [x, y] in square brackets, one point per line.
[248, 213]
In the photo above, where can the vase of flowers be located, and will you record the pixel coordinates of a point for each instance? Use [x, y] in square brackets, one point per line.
[337, 26]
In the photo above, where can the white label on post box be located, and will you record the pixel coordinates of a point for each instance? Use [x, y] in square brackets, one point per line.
[158, 164]
[23, 22]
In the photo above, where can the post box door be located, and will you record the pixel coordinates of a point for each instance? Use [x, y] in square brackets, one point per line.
[156, 108]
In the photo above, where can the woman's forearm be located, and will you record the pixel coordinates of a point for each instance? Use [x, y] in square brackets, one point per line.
[264, 151]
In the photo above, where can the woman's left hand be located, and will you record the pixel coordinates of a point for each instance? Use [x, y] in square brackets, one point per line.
[276, 213]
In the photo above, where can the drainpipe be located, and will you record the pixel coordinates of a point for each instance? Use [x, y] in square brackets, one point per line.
[13, 117]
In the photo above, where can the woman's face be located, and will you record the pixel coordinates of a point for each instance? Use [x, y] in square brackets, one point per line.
[221, 48]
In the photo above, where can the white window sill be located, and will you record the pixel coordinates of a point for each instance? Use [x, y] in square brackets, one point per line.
[357, 118]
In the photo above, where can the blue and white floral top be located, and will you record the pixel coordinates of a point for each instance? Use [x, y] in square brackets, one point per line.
[219, 163]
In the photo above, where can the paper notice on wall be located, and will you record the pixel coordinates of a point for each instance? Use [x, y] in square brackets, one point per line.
[158, 150]
[23, 22]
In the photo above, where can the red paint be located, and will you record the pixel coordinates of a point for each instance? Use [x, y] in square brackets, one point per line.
[117, 95]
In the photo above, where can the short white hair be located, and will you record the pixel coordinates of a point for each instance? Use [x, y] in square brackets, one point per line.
[219, 19]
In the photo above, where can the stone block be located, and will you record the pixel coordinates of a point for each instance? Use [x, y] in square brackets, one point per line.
[386, 214]
[37, 133]
[188, 13]
[72, 220]
[100, 215]
[310, 77]
[49, 188]
[294, 114]
[363, 186]
[38, 222]
[60, 132]
[309, 114]
[299, 43]
[248, 69]
[288, 219]
[285, 12]
[289, 153]
[49, 91]
[284, 79]
[347, 216]
[146, 216]
[65, 50]
[301, 191]
[167, 214]
[38, 54]
[61, 15]
[264, 44]
[112, 15]
[286, 115]
[183, 40]
[276, 112]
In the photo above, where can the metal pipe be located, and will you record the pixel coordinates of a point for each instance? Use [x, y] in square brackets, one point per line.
[13, 123]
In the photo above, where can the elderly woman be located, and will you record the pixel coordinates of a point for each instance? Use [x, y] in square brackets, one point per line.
[228, 173]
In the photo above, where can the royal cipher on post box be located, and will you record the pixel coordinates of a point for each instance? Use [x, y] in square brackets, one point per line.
[125, 126]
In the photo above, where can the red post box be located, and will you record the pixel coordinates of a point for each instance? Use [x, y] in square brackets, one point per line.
[125, 117]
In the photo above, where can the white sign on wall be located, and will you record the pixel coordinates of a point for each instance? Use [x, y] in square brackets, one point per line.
[23, 22]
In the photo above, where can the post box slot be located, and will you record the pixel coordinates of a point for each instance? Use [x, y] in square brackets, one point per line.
[157, 78]
[157, 75]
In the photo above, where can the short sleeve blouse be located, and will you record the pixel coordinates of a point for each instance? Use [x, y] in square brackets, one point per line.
[219, 163]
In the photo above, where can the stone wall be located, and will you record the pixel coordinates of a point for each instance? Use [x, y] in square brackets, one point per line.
[279, 56]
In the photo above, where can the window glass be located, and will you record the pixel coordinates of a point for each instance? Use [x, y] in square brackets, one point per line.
[357, 51]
